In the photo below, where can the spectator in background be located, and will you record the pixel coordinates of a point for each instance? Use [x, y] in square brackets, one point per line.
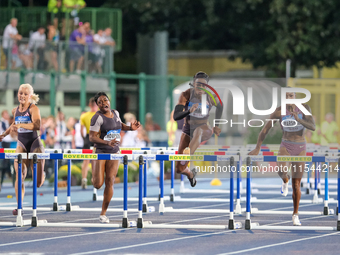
[98, 51]
[78, 133]
[129, 138]
[314, 137]
[54, 7]
[108, 39]
[6, 143]
[52, 44]
[77, 42]
[9, 37]
[171, 128]
[16, 61]
[26, 56]
[50, 127]
[37, 45]
[60, 131]
[329, 130]
[149, 124]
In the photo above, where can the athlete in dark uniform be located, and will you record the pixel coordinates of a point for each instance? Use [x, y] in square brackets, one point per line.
[105, 134]
[27, 125]
[196, 128]
[293, 143]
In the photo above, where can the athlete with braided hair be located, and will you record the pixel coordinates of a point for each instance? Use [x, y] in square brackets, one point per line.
[196, 128]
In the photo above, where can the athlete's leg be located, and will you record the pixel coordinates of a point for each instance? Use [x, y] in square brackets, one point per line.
[201, 133]
[283, 166]
[180, 167]
[297, 173]
[98, 173]
[111, 169]
[37, 147]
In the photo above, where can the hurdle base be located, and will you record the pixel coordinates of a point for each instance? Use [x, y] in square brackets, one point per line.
[140, 223]
[34, 222]
[20, 221]
[326, 210]
[145, 206]
[248, 224]
[94, 197]
[231, 224]
[172, 198]
[68, 207]
[125, 223]
[319, 192]
[337, 210]
[307, 191]
[55, 207]
[338, 225]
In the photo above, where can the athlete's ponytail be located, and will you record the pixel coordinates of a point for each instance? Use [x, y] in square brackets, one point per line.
[34, 97]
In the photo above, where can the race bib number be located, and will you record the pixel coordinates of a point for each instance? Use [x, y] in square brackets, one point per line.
[289, 123]
[23, 120]
[112, 134]
[198, 112]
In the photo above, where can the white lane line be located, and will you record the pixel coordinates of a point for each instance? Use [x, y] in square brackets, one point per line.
[278, 244]
[150, 243]
[60, 237]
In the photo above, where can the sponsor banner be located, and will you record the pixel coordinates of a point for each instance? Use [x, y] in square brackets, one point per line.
[293, 159]
[205, 153]
[186, 157]
[73, 151]
[15, 155]
[255, 158]
[9, 150]
[39, 155]
[332, 159]
[80, 156]
[145, 157]
[166, 152]
[141, 152]
[117, 156]
[54, 151]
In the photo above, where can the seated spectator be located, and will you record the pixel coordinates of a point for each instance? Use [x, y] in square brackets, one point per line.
[37, 45]
[10, 35]
[77, 42]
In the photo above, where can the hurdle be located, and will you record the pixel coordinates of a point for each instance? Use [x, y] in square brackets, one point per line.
[231, 224]
[251, 226]
[125, 222]
[20, 222]
[163, 209]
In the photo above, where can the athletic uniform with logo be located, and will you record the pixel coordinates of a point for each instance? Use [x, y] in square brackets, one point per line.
[109, 129]
[195, 119]
[29, 140]
[289, 124]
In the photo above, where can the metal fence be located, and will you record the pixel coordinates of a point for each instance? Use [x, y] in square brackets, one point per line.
[29, 19]
[62, 57]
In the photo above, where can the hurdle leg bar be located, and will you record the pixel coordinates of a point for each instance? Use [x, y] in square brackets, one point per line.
[238, 209]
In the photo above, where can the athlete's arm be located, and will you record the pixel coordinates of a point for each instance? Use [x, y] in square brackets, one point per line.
[265, 130]
[35, 125]
[180, 112]
[307, 121]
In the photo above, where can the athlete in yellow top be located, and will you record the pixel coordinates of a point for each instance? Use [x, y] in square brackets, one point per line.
[85, 121]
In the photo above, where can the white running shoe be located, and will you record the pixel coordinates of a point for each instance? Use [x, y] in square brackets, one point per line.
[103, 219]
[296, 221]
[284, 189]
